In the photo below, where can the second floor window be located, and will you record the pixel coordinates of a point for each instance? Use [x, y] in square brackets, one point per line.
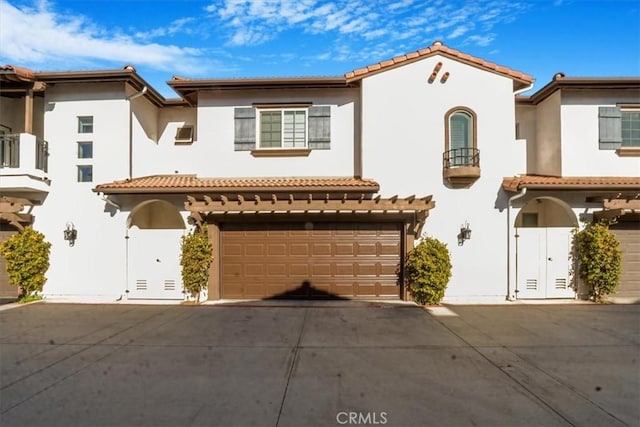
[85, 150]
[619, 127]
[460, 144]
[630, 128]
[85, 124]
[85, 173]
[283, 129]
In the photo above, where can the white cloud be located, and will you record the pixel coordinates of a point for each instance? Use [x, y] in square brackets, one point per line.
[459, 31]
[74, 41]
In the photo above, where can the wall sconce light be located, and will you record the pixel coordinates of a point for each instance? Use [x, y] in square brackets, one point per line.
[465, 233]
[70, 234]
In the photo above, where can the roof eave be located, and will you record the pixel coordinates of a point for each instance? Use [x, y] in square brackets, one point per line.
[560, 82]
[126, 75]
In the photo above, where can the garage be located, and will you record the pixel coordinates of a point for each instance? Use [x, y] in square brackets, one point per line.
[310, 260]
[628, 233]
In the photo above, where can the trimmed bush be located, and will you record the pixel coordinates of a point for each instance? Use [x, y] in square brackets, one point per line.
[195, 260]
[428, 270]
[27, 256]
[599, 259]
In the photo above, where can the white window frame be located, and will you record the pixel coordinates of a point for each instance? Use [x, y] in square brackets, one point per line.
[627, 110]
[79, 174]
[81, 125]
[81, 143]
[282, 112]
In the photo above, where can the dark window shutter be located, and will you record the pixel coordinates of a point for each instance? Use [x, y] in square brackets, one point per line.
[245, 129]
[610, 125]
[320, 128]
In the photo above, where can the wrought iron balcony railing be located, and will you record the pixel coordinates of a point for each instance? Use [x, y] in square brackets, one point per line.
[461, 157]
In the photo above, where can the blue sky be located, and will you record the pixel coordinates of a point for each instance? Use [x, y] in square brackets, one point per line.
[251, 38]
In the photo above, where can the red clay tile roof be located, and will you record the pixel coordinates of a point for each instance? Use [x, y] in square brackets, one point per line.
[19, 72]
[439, 48]
[191, 183]
[571, 182]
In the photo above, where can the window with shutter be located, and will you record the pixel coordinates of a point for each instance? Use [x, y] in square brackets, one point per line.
[289, 129]
[245, 129]
[610, 128]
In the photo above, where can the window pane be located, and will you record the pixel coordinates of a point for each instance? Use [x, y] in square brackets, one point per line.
[460, 138]
[85, 124]
[459, 131]
[631, 128]
[85, 150]
[85, 173]
[270, 129]
[295, 129]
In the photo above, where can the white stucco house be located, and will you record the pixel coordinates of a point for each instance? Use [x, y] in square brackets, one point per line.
[319, 186]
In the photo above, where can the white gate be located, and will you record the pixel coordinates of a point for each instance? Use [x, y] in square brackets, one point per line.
[154, 264]
[543, 263]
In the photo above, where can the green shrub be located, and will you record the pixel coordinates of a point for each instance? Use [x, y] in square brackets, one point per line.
[195, 260]
[27, 256]
[599, 259]
[428, 270]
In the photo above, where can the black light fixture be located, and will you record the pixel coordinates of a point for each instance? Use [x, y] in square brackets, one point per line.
[70, 234]
[465, 233]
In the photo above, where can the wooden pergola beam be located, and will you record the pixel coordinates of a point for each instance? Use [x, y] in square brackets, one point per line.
[633, 204]
[306, 204]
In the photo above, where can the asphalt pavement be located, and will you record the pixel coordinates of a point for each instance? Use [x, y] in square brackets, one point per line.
[323, 363]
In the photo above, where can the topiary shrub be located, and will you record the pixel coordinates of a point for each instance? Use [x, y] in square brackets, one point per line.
[195, 260]
[428, 270]
[599, 259]
[27, 256]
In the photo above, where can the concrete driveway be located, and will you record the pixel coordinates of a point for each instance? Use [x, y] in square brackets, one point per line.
[319, 364]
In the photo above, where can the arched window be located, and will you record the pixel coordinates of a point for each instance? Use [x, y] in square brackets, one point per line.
[460, 138]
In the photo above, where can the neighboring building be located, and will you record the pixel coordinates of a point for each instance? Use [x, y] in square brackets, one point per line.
[319, 185]
[583, 163]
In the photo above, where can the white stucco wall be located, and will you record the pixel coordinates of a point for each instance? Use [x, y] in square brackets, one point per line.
[213, 154]
[581, 155]
[403, 142]
[95, 265]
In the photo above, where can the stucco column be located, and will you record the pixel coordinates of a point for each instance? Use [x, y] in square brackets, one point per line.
[28, 111]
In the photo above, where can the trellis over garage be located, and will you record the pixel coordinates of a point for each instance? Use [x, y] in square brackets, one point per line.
[296, 237]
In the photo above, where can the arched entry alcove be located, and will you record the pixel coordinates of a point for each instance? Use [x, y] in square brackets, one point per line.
[546, 212]
[155, 214]
[543, 248]
[154, 229]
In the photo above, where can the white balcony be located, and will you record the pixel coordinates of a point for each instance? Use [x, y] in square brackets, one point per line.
[23, 164]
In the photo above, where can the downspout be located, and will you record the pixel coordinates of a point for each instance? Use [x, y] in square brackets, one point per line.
[130, 98]
[521, 194]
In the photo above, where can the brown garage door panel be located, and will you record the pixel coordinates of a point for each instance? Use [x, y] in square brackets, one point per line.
[629, 237]
[354, 260]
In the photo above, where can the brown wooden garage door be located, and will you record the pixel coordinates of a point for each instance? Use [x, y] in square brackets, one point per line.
[629, 236]
[310, 260]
